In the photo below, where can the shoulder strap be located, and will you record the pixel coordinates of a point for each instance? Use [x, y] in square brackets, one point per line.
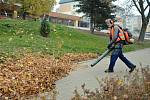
[120, 27]
[112, 31]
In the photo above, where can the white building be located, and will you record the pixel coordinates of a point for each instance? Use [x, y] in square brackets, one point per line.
[134, 24]
[68, 7]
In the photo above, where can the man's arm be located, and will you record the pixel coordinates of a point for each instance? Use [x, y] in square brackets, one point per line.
[114, 38]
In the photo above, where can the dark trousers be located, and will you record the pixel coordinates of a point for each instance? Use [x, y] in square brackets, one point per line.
[118, 53]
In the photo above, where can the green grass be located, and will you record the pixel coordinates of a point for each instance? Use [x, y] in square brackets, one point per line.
[19, 36]
[23, 36]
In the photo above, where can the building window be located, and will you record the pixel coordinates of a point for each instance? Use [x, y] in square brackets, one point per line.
[83, 24]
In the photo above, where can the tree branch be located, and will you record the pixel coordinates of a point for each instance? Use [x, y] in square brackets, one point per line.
[148, 16]
[128, 1]
[141, 3]
[146, 7]
[148, 2]
[128, 8]
[137, 6]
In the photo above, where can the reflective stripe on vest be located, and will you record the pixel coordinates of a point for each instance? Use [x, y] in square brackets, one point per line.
[120, 35]
[127, 36]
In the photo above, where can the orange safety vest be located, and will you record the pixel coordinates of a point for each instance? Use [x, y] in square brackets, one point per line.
[127, 38]
[120, 35]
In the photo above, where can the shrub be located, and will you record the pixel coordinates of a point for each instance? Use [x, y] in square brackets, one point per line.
[45, 27]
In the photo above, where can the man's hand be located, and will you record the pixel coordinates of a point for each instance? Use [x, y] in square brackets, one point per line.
[110, 46]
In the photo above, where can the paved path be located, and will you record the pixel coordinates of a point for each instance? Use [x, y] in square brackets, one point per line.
[86, 74]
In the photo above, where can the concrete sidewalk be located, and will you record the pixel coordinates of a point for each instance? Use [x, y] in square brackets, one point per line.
[86, 74]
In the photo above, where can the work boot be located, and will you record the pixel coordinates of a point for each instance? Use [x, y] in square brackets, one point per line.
[109, 71]
[132, 69]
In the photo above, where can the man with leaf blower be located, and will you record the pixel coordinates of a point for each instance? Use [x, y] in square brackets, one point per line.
[117, 40]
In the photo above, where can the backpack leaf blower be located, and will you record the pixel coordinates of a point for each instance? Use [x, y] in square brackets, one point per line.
[102, 56]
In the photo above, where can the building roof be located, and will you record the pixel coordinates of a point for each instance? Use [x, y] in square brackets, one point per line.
[63, 16]
[65, 1]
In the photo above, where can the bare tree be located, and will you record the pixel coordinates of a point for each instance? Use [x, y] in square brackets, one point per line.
[127, 5]
[142, 6]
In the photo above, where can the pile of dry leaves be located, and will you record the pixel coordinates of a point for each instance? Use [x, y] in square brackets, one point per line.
[79, 57]
[33, 74]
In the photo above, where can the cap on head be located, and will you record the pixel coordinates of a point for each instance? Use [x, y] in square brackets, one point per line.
[109, 22]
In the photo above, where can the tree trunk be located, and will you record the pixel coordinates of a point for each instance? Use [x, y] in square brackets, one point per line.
[142, 32]
[24, 16]
[92, 28]
[91, 25]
